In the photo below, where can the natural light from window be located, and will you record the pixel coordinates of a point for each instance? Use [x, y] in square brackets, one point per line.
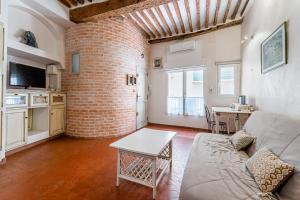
[226, 80]
[185, 95]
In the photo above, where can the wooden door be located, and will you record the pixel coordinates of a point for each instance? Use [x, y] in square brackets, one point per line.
[16, 128]
[142, 97]
[57, 120]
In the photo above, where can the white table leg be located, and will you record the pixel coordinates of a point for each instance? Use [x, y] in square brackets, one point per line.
[118, 168]
[154, 177]
[237, 123]
[217, 116]
[228, 128]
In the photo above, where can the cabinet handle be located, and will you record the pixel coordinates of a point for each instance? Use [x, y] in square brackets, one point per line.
[26, 117]
[16, 94]
[52, 114]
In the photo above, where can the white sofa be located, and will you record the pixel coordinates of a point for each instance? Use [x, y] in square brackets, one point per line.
[216, 171]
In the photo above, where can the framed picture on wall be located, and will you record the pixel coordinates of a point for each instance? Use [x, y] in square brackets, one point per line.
[274, 50]
[158, 63]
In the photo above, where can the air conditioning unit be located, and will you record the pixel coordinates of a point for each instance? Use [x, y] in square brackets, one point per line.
[183, 46]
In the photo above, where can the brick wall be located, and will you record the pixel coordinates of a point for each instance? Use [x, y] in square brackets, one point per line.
[99, 103]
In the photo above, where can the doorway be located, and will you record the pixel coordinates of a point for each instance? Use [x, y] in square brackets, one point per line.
[141, 97]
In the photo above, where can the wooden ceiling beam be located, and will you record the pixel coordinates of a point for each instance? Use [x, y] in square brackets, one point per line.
[171, 18]
[244, 8]
[111, 8]
[74, 2]
[236, 9]
[201, 32]
[65, 3]
[152, 27]
[198, 14]
[162, 18]
[226, 11]
[217, 12]
[207, 13]
[188, 12]
[137, 26]
[152, 15]
[145, 27]
[177, 10]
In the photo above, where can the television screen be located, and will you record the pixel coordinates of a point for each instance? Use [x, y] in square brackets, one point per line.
[26, 76]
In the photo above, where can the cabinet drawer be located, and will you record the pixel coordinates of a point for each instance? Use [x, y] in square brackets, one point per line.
[57, 99]
[16, 100]
[39, 99]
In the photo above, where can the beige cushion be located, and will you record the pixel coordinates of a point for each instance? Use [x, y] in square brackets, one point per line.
[268, 170]
[241, 140]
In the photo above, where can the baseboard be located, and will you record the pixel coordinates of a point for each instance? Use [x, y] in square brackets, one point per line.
[3, 161]
[28, 146]
[187, 127]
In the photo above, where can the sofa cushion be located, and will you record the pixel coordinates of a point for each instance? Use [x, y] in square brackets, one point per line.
[241, 140]
[215, 170]
[268, 170]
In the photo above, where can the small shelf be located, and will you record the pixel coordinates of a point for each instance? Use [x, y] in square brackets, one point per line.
[37, 135]
[36, 132]
[18, 49]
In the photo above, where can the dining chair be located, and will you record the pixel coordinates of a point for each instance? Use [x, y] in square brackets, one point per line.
[212, 123]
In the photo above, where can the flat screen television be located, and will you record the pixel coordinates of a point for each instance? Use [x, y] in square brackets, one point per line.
[26, 76]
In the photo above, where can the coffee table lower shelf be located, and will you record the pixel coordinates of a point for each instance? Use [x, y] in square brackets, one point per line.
[143, 169]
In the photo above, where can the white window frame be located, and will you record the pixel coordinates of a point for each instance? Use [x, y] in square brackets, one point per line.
[184, 88]
[237, 75]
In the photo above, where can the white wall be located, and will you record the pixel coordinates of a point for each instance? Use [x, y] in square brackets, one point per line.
[219, 46]
[49, 35]
[278, 90]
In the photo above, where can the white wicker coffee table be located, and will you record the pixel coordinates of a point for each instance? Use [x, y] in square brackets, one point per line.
[144, 156]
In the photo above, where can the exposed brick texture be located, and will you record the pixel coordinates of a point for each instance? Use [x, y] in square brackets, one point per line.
[99, 103]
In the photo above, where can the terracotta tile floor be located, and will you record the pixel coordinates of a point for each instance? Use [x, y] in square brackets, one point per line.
[68, 168]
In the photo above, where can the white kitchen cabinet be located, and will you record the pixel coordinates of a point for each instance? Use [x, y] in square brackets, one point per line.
[57, 120]
[16, 128]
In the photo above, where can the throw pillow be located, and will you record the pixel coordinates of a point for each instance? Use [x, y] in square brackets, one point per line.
[268, 170]
[241, 140]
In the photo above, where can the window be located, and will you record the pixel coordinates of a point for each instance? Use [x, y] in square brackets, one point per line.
[198, 76]
[228, 79]
[185, 93]
[75, 63]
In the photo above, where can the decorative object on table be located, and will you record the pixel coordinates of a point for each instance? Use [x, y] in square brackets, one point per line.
[274, 50]
[240, 107]
[29, 39]
[158, 63]
[242, 100]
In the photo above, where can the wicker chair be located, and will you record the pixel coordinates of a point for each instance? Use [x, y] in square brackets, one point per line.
[212, 124]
